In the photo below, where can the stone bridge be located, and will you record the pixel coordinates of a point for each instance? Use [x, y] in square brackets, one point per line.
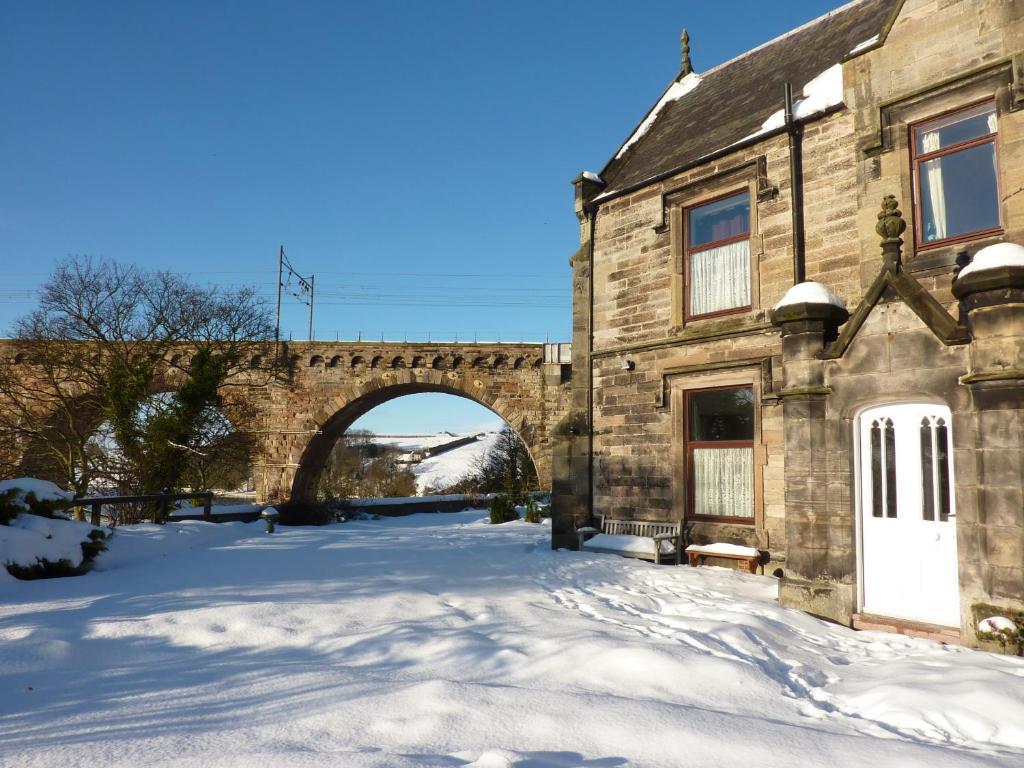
[334, 383]
[301, 417]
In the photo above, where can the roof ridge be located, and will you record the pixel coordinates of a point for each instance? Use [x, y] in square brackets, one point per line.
[784, 35]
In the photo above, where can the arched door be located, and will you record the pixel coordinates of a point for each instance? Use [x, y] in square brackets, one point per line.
[908, 514]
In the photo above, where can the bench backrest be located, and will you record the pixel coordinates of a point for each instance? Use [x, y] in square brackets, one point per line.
[638, 527]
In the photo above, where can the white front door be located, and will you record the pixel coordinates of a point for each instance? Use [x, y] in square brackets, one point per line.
[908, 514]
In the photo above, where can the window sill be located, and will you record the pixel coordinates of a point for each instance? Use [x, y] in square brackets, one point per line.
[943, 255]
[719, 313]
[949, 242]
[721, 520]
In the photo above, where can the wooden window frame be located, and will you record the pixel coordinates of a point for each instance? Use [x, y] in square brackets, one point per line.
[689, 445]
[916, 161]
[688, 250]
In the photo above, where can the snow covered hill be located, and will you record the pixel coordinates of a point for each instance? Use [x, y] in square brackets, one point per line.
[440, 640]
[446, 468]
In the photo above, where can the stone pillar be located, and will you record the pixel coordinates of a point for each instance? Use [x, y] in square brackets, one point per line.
[820, 559]
[572, 441]
[991, 481]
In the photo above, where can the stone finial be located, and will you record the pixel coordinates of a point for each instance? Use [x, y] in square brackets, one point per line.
[890, 226]
[686, 67]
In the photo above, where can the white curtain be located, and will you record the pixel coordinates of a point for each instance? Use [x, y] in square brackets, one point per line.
[720, 278]
[933, 179]
[992, 125]
[723, 482]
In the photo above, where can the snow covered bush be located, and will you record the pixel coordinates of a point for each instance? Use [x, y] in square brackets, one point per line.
[503, 509]
[37, 544]
[533, 512]
[1009, 633]
[29, 494]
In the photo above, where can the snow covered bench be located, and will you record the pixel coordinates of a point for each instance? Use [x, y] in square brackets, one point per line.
[696, 553]
[634, 538]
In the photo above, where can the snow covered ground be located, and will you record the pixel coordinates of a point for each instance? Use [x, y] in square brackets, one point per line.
[447, 468]
[451, 466]
[439, 640]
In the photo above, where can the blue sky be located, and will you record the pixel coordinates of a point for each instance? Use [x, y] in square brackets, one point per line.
[415, 156]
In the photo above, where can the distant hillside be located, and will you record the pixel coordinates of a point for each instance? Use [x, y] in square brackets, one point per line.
[447, 468]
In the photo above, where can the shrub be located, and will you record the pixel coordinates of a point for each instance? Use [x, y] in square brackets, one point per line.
[301, 512]
[1008, 632]
[533, 512]
[36, 497]
[32, 536]
[503, 510]
[53, 569]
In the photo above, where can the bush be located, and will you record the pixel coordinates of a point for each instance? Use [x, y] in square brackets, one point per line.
[40, 501]
[50, 569]
[533, 512]
[36, 497]
[503, 510]
[301, 512]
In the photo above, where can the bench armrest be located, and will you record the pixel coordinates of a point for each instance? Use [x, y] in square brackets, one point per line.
[666, 536]
[582, 534]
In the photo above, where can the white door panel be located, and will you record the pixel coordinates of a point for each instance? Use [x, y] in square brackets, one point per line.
[908, 519]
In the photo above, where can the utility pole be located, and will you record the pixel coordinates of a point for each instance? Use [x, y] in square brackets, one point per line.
[312, 280]
[277, 322]
[304, 293]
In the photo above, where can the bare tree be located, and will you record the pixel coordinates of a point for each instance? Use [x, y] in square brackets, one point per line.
[359, 467]
[104, 339]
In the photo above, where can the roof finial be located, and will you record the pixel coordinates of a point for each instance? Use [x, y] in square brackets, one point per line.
[687, 67]
[890, 226]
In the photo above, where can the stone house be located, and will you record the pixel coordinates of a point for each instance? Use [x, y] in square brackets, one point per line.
[864, 431]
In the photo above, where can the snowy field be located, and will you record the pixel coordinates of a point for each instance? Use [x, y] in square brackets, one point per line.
[451, 466]
[445, 469]
[438, 640]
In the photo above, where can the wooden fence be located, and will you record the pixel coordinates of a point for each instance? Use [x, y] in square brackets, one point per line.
[162, 500]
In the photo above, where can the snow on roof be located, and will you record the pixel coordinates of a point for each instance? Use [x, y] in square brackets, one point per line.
[591, 176]
[734, 98]
[810, 292]
[994, 257]
[863, 45]
[821, 94]
[676, 91]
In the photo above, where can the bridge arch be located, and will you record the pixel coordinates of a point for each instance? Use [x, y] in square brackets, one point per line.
[339, 413]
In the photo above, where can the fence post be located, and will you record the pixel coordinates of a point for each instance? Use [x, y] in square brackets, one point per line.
[163, 505]
[207, 503]
[96, 508]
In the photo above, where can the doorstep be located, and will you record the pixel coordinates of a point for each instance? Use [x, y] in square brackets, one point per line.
[937, 632]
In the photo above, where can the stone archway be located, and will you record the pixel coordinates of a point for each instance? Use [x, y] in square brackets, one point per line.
[305, 416]
[317, 450]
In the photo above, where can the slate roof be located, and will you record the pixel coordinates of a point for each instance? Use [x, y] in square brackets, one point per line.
[735, 98]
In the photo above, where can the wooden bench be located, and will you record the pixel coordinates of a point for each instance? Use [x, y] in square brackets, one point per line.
[644, 539]
[750, 557]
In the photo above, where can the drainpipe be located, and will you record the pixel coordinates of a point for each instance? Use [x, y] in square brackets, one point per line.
[591, 210]
[796, 185]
